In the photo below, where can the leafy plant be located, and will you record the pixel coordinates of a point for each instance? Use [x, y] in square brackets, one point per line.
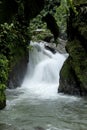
[3, 72]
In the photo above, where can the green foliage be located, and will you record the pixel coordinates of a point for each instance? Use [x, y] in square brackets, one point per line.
[78, 2]
[30, 47]
[61, 16]
[37, 23]
[6, 38]
[12, 40]
[38, 29]
[2, 97]
[13, 45]
[2, 100]
[3, 72]
[70, 4]
[60, 13]
[14, 36]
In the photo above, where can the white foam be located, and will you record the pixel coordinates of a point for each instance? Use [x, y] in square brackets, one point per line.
[42, 78]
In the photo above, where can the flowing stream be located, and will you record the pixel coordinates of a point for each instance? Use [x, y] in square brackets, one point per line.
[36, 105]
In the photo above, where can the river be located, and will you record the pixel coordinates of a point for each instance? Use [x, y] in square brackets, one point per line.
[36, 105]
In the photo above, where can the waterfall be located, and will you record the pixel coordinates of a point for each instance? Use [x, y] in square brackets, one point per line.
[42, 77]
[36, 105]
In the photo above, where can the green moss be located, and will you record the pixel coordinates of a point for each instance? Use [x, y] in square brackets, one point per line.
[14, 41]
[67, 72]
[2, 96]
[3, 70]
[83, 30]
[40, 35]
[78, 2]
[78, 61]
[74, 72]
[2, 99]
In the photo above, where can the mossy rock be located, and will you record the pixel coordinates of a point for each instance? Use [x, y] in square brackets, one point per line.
[68, 83]
[79, 61]
[73, 75]
[83, 31]
[2, 99]
[78, 2]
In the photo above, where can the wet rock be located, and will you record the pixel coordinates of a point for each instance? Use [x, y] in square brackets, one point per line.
[50, 49]
[17, 73]
[39, 128]
[68, 81]
[2, 99]
[4, 126]
[73, 75]
[48, 39]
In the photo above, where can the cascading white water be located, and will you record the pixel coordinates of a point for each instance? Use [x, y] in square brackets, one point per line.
[36, 104]
[42, 77]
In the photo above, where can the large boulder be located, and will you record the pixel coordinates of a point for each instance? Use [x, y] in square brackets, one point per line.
[18, 72]
[73, 76]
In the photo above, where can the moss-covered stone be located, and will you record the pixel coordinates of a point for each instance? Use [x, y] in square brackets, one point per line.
[2, 99]
[79, 61]
[67, 80]
[73, 76]
[79, 2]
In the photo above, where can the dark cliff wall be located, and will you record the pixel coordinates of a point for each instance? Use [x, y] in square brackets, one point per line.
[26, 8]
[16, 75]
[73, 76]
[18, 72]
[14, 40]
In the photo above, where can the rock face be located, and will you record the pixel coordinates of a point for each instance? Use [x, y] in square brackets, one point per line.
[73, 76]
[16, 76]
[22, 11]
[2, 100]
[17, 73]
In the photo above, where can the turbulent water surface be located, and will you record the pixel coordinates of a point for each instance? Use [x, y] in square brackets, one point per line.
[36, 105]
